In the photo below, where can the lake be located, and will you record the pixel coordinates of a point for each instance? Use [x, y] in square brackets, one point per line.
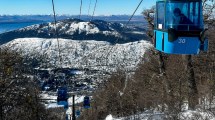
[5, 27]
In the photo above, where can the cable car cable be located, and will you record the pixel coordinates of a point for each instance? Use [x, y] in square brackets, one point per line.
[92, 18]
[80, 10]
[134, 12]
[125, 26]
[56, 32]
[110, 49]
[89, 8]
[94, 9]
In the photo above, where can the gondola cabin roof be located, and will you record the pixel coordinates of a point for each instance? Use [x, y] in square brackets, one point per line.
[178, 0]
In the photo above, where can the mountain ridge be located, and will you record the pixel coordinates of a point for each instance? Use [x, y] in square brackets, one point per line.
[78, 30]
[48, 18]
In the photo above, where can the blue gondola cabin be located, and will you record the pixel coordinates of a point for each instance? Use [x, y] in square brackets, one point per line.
[86, 102]
[179, 27]
[62, 97]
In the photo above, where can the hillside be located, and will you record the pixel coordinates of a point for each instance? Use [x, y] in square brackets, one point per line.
[95, 48]
[82, 54]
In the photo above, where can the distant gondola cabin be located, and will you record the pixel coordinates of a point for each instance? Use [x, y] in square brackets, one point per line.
[62, 94]
[86, 102]
[179, 27]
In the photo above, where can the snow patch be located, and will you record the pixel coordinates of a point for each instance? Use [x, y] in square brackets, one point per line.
[110, 117]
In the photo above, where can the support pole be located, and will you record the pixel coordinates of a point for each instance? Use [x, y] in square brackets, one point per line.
[73, 107]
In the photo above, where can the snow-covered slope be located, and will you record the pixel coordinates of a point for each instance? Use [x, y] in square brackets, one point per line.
[76, 26]
[99, 55]
[185, 115]
[82, 44]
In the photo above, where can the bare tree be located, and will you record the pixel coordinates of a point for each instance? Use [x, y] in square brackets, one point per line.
[209, 11]
[19, 94]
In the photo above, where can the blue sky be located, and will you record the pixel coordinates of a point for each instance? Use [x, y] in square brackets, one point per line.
[104, 7]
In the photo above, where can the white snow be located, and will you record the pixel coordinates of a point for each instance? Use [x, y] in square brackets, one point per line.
[54, 105]
[78, 99]
[51, 100]
[77, 72]
[72, 27]
[82, 27]
[99, 55]
[110, 117]
[185, 115]
[142, 116]
[196, 115]
[138, 32]
[49, 95]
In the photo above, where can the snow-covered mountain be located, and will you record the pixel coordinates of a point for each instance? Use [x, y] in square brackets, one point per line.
[91, 54]
[81, 44]
[77, 29]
